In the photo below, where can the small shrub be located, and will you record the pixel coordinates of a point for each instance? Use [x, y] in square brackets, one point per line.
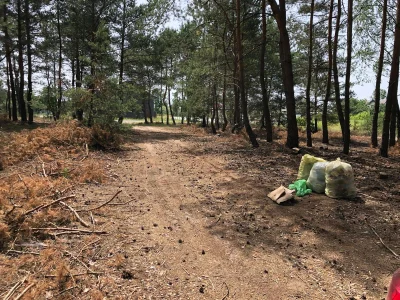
[105, 137]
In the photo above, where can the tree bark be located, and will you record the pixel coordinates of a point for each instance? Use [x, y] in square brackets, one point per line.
[393, 83]
[243, 101]
[310, 63]
[374, 135]
[335, 68]
[346, 140]
[279, 13]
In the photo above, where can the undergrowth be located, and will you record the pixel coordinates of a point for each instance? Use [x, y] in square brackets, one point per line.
[38, 167]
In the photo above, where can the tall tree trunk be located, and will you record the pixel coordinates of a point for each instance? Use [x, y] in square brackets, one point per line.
[310, 63]
[183, 99]
[243, 101]
[29, 58]
[122, 55]
[170, 106]
[162, 99]
[393, 86]
[325, 135]
[7, 44]
[150, 106]
[8, 106]
[266, 113]
[78, 74]
[236, 108]
[59, 80]
[279, 13]
[224, 101]
[374, 135]
[214, 101]
[398, 121]
[335, 68]
[392, 135]
[21, 100]
[315, 113]
[346, 141]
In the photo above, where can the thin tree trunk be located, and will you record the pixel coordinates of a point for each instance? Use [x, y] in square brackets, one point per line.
[310, 63]
[214, 101]
[241, 77]
[325, 135]
[392, 135]
[170, 106]
[266, 112]
[149, 106]
[122, 56]
[8, 105]
[7, 44]
[335, 68]
[393, 83]
[346, 143]
[279, 13]
[315, 113]
[59, 81]
[236, 109]
[78, 73]
[224, 101]
[374, 135]
[29, 58]
[21, 100]
[182, 115]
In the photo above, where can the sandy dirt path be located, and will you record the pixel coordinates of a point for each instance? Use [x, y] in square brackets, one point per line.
[192, 229]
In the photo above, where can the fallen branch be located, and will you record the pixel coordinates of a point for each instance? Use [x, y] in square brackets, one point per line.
[104, 204]
[387, 247]
[44, 171]
[47, 205]
[79, 261]
[66, 290]
[24, 291]
[121, 204]
[66, 229]
[227, 293]
[14, 289]
[75, 275]
[23, 252]
[75, 213]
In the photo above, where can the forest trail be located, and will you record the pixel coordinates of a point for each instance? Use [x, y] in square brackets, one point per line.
[198, 225]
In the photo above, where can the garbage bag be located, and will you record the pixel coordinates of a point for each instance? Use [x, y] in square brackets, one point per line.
[301, 188]
[316, 180]
[307, 162]
[339, 178]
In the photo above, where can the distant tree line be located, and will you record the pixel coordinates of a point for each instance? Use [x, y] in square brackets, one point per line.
[230, 63]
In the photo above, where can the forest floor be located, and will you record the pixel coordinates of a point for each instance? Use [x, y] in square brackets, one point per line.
[191, 220]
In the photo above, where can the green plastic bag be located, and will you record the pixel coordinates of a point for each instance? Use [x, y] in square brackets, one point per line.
[301, 188]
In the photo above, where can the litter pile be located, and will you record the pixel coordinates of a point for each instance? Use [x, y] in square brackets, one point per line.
[335, 179]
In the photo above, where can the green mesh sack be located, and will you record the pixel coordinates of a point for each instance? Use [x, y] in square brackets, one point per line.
[339, 178]
[307, 162]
